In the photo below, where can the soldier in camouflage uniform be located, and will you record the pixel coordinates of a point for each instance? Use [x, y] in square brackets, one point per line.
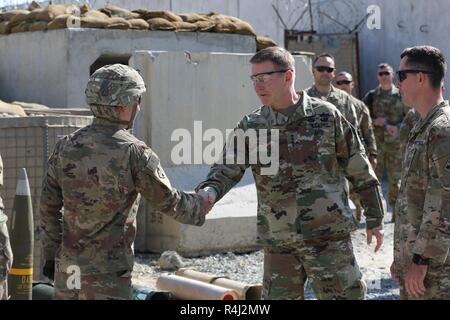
[5, 247]
[387, 111]
[304, 219]
[324, 71]
[422, 230]
[408, 123]
[344, 81]
[97, 174]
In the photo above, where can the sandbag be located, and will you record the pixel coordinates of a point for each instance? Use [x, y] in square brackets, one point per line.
[182, 26]
[264, 42]
[33, 6]
[62, 22]
[7, 16]
[224, 26]
[38, 26]
[117, 23]
[32, 16]
[138, 24]
[12, 109]
[244, 28]
[151, 14]
[84, 9]
[114, 11]
[88, 22]
[193, 17]
[30, 105]
[18, 19]
[95, 14]
[5, 28]
[21, 27]
[160, 24]
[54, 10]
[204, 26]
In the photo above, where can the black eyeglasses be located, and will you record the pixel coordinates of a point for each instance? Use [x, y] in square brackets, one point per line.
[341, 82]
[402, 74]
[384, 73]
[323, 69]
[265, 76]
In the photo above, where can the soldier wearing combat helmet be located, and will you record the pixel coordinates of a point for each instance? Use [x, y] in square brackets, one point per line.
[97, 175]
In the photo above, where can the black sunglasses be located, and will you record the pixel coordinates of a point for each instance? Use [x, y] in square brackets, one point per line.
[402, 74]
[341, 82]
[384, 73]
[323, 69]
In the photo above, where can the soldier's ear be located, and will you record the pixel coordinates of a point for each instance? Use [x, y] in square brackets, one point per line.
[289, 75]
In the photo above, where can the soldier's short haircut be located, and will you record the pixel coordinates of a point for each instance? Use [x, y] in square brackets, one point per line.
[385, 65]
[427, 58]
[345, 74]
[277, 55]
[323, 55]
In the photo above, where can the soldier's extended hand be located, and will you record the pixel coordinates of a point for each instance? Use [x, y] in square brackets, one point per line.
[379, 234]
[208, 199]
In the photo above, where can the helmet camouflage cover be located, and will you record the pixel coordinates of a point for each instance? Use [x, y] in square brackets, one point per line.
[114, 85]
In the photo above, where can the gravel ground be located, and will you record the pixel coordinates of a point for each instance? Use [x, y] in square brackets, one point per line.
[248, 267]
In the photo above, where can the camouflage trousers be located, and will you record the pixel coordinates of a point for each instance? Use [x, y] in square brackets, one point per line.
[5, 260]
[329, 265]
[110, 286]
[389, 160]
[437, 284]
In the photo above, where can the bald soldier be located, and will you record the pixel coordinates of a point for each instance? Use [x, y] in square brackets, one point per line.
[5, 246]
[387, 111]
[304, 218]
[97, 175]
[344, 81]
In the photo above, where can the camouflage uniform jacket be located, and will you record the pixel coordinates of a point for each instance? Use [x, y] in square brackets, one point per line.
[306, 198]
[408, 123]
[389, 105]
[423, 206]
[365, 126]
[340, 99]
[98, 173]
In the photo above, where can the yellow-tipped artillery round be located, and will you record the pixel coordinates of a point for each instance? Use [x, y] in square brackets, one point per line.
[20, 279]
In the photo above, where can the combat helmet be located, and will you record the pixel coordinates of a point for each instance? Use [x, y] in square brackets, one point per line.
[115, 85]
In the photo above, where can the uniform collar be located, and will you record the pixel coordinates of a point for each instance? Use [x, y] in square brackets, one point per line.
[316, 93]
[304, 109]
[105, 122]
[392, 91]
[430, 116]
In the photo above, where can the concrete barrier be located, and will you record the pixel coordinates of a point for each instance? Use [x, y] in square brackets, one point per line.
[183, 90]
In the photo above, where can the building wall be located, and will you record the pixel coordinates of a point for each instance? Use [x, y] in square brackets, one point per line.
[403, 22]
[52, 68]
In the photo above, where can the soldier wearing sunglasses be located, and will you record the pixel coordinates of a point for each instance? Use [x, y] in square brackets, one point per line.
[344, 81]
[387, 111]
[324, 71]
[422, 230]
